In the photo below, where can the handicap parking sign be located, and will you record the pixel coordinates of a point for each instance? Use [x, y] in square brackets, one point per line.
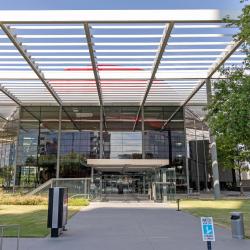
[207, 227]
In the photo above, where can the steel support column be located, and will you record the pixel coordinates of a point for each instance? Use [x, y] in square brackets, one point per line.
[92, 175]
[143, 133]
[101, 134]
[59, 144]
[1, 154]
[186, 153]
[196, 158]
[205, 159]
[164, 185]
[144, 182]
[170, 147]
[16, 153]
[213, 150]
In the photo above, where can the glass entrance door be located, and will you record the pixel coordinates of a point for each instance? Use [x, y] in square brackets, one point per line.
[164, 188]
[117, 184]
[124, 184]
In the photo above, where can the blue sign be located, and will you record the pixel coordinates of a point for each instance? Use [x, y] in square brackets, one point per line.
[207, 227]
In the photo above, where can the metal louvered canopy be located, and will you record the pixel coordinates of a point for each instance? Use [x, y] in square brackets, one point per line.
[136, 57]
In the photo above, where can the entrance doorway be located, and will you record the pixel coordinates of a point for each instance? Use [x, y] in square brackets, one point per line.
[124, 184]
[132, 179]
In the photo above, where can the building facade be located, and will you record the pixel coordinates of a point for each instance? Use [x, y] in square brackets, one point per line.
[113, 85]
[82, 139]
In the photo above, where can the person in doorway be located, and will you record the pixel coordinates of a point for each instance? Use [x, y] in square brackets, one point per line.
[120, 188]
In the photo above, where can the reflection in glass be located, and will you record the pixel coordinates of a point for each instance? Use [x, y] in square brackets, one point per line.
[123, 145]
[80, 140]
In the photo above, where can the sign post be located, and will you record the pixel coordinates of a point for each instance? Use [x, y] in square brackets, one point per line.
[207, 228]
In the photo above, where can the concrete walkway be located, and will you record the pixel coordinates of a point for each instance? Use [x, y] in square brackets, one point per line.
[132, 226]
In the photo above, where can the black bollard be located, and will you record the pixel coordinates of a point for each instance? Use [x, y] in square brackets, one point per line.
[209, 245]
[178, 204]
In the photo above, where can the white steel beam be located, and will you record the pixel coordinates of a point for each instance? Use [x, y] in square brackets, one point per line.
[95, 69]
[65, 62]
[46, 27]
[10, 95]
[49, 44]
[164, 41]
[127, 36]
[31, 63]
[3, 118]
[93, 62]
[116, 16]
[120, 27]
[118, 75]
[126, 44]
[50, 36]
[79, 27]
[16, 100]
[215, 67]
[33, 66]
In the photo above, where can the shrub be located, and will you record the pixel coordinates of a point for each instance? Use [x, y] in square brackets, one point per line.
[36, 200]
[22, 200]
[78, 202]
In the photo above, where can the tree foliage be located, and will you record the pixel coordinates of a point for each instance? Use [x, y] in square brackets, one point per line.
[229, 110]
[243, 23]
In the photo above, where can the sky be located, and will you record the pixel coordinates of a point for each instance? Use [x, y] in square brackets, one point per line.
[117, 4]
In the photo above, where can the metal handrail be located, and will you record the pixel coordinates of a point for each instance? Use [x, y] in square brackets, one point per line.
[41, 187]
[70, 179]
[167, 182]
[3, 227]
[53, 182]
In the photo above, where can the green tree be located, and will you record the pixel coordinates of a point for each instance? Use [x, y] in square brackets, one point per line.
[243, 23]
[229, 110]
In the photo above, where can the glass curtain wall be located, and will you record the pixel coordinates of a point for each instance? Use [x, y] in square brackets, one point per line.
[197, 147]
[167, 143]
[197, 137]
[8, 137]
[120, 141]
[37, 145]
[199, 162]
[81, 139]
